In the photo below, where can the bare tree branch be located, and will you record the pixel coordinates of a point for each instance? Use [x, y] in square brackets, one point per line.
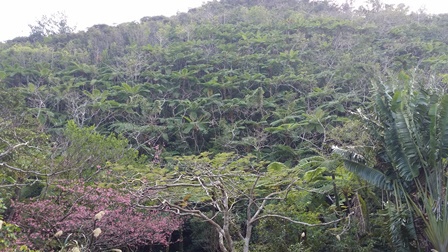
[32, 172]
[20, 170]
[12, 148]
[300, 222]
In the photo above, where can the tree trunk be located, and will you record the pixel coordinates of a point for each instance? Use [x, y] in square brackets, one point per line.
[222, 244]
[248, 236]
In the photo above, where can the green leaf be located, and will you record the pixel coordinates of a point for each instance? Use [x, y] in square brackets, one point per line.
[276, 167]
[409, 163]
[10, 179]
[371, 175]
[314, 175]
[193, 116]
[443, 122]
[187, 128]
[165, 136]
[31, 87]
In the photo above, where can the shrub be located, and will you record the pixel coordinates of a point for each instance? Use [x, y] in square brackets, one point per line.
[73, 212]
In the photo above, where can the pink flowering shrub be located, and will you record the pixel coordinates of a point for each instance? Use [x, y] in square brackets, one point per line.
[72, 210]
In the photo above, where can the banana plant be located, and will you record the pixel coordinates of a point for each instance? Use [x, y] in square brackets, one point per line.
[409, 125]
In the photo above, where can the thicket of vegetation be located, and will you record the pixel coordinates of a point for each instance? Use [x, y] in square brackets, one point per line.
[241, 125]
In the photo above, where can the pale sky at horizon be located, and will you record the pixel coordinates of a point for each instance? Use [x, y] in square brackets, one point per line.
[18, 14]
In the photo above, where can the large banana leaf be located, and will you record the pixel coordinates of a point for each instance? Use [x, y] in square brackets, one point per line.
[407, 153]
[371, 175]
[399, 134]
[396, 153]
[443, 124]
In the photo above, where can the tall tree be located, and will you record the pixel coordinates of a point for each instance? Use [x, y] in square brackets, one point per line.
[57, 23]
[229, 192]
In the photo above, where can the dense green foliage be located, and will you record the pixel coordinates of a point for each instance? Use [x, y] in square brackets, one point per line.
[272, 83]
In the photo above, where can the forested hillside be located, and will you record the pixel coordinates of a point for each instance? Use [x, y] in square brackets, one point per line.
[261, 125]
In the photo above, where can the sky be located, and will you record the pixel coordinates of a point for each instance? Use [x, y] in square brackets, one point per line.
[18, 14]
